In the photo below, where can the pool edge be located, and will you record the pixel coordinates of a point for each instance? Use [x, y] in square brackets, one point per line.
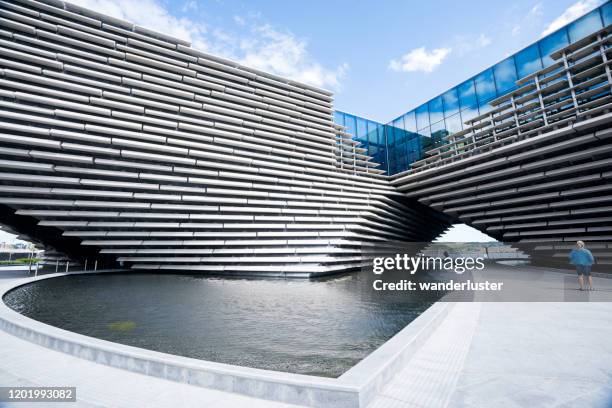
[355, 388]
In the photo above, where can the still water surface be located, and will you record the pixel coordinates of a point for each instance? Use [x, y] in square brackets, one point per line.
[317, 327]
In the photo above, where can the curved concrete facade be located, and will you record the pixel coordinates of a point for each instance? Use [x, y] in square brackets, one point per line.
[125, 144]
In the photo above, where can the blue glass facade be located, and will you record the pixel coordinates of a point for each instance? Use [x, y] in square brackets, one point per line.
[371, 134]
[406, 138]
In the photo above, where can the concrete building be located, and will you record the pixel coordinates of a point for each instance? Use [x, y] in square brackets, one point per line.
[125, 145]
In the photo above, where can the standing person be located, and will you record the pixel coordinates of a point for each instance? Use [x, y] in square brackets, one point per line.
[582, 258]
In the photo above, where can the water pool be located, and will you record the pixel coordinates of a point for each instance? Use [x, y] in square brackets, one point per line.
[318, 327]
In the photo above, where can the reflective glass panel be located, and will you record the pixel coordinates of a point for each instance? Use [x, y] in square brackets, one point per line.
[606, 12]
[467, 95]
[485, 86]
[372, 150]
[505, 75]
[349, 123]
[373, 134]
[339, 118]
[436, 112]
[362, 130]
[584, 26]
[415, 149]
[425, 132]
[410, 121]
[469, 113]
[438, 132]
[552, 43]
[451, 103]
[390, 134]
[484, 108]
[422, 116]
[453, 123]
[399, 122]
[528, 61]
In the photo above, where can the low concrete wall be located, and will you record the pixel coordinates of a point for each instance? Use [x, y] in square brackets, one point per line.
[355, 388]
[372, 373]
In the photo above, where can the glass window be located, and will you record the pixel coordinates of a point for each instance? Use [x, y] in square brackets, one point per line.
[436, 112]
[349, 123]
[373, 135]
[397, 128]
[426, 142]
[584, 26]
[390, 134]
[410, 121]
[527, 61]
[484, 108]
[485, 86]
[425, 132]
[398, 123]
[382, 136]
[339, 118]
[362, 130]
[469, 113]
[606, 12]
[438, 132]
[505, 75]
[415, 149]
[552, 43]
[400, 148]
[451, 103]
[453, 123]
[422, 116]
[372, 150]
[467, 95]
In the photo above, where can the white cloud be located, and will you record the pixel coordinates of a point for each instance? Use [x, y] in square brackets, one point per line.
[190, 5]
[239, 20]
[535, 11]
[263, 47]
[419, 59]
[465, 44]
[530, 19]
[281, 52]
[483, 41]
[573, 12]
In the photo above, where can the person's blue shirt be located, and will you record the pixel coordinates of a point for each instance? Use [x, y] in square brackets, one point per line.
[581, 256]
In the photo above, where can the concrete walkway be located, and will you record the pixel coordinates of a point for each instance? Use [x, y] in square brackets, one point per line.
[514, 354]
[484, 354]
[26, 364]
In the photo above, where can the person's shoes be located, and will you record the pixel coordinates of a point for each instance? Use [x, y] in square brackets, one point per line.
[581, 289]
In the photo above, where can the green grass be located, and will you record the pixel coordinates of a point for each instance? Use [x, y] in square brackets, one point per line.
[21, 261]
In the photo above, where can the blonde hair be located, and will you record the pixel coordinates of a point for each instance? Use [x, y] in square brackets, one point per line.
[580, 244]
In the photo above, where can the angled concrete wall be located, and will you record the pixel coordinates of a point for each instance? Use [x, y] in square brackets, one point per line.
[163, 157]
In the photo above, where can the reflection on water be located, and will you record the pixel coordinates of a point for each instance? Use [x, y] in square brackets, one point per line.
[318, 327]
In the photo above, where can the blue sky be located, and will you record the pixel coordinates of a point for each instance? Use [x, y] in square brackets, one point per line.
[381, 60]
